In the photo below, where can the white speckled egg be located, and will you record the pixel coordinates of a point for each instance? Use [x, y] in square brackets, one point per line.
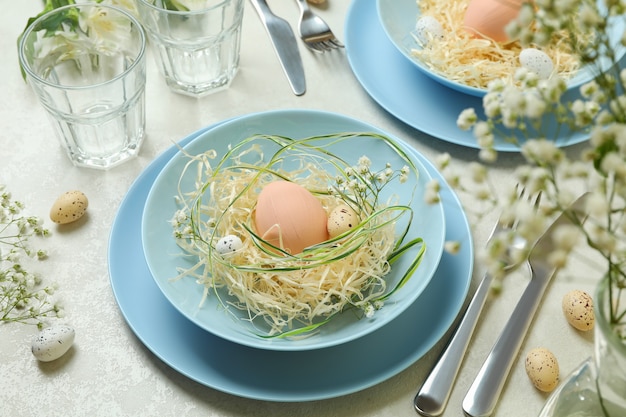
[578, 309]
[341, 219]
[542, 369]
[228, 244]
[53, 342]
[536, 61]
[69, 207]
[427, 28]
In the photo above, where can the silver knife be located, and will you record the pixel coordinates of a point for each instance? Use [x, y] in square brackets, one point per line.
[483, 395]
[285, 45]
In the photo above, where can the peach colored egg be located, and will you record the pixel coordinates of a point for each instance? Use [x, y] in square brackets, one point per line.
[488, 18]
[287, 212]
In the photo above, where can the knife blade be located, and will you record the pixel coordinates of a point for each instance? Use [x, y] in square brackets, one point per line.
[285, 46]
[482, 397]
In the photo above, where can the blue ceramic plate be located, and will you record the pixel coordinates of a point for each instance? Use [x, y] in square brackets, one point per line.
[273, 375]
[163, 254]
[398, 19]
[407, 93]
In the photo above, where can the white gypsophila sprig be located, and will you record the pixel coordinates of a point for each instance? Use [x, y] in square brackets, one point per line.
[600, 169]
[361, 186]
[23, 297]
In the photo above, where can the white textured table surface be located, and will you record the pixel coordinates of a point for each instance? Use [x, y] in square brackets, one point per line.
[109, 372]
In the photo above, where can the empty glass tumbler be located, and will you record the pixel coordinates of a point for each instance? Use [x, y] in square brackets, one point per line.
[86, 63]
[195, 42]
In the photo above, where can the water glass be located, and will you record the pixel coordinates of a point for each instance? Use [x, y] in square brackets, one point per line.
[195, 42]
[86, 63]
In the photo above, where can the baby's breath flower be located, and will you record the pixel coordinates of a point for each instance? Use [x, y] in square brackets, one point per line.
[566, 237]
[542, 152]
[535, 106]
[483, 134]
[599, 169]
[404, 174]
[588, 17]
[479, 172]
[452, 246]
[22, 299]
[597, 205]
[364, 161]
[587, 90]
[431, 194]
[558, 258]
[466, 119]
[488, 154]
[443, 160]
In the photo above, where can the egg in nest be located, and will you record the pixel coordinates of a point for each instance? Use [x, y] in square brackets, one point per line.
[288, 216]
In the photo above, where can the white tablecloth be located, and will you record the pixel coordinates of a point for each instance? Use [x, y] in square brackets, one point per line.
[109, 372]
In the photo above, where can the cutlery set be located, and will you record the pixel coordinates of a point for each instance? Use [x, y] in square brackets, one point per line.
[483, 394]
[314, 32]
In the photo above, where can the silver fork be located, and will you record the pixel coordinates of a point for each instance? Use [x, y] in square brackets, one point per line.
[432, 397]
[314, 31]
[483, 394]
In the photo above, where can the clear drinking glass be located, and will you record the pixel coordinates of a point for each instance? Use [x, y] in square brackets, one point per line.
[86, 63]
[195, 42]
[610, 352]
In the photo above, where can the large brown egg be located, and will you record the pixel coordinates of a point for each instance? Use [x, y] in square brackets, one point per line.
[488, 18]
[288, 213]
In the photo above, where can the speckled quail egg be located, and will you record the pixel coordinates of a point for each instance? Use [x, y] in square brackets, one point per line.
[341, 219]
[536, 61]
[69, 207]
[53, 342]
[578, 310]
[542, 369]
[427, 28]
[228, 244]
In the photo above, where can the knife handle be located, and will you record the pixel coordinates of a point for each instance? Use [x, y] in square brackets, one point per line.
[433, 396]
[262, 9]
[483, 395]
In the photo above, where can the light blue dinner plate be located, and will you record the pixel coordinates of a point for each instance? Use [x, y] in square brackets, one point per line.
[398, 19]
[165, 258]
[274, 375]
[408, 94]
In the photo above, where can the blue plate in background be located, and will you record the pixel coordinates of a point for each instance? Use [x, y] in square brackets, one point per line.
[407, 93]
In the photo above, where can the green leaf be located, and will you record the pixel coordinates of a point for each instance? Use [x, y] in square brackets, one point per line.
[52, 23]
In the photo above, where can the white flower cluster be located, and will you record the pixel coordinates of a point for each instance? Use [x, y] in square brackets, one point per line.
[361, 184]
[22, 297]
[519, 115]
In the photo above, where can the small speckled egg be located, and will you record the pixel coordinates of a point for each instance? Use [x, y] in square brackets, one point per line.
[542, 369]
[427, 28]
[341, 219]
[536, 61]
[69, 207]
[53, 342]
[228, 244]
[578, 309]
